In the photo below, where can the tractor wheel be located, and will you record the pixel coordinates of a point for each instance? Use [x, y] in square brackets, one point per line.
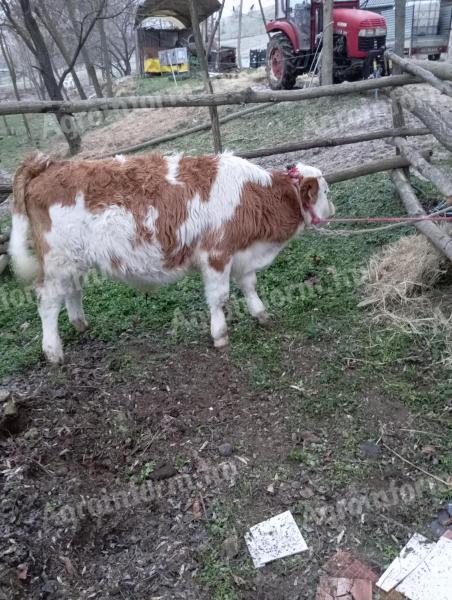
[281, 69]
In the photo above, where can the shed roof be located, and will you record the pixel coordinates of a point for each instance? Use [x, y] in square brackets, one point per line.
[177, 9]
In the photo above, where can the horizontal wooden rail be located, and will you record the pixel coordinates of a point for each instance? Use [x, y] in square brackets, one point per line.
[330, 142]
[248, 96]
[376, 166]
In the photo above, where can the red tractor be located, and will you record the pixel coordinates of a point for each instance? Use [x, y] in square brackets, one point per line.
[359, 38]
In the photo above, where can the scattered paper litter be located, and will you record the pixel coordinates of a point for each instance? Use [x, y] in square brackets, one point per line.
[422, 570]
[275, 538]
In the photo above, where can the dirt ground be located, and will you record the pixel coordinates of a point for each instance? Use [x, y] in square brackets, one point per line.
[87, 430]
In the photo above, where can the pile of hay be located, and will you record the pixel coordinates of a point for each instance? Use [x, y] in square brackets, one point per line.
[400, 284]
[403, 270]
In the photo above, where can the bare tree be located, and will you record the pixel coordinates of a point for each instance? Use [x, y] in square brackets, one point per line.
[121, 40]
[22, 20]
[89, 66]
[49, 23]
[106, 58]
[8, 58]
[214, 29]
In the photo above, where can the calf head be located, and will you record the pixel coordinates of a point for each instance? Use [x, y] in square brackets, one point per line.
[313, 193]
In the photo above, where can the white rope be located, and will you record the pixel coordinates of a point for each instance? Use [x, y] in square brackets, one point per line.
[346, 232]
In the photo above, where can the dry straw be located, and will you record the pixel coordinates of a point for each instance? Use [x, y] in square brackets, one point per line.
[400, 284]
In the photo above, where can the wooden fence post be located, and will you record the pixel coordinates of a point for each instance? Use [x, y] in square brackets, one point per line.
[205, 75]
[399, 45]
[326, 74]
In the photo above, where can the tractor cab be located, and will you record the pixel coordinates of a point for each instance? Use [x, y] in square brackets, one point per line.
[296, 41]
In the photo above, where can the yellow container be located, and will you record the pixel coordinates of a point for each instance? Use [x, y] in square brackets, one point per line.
[152, 66]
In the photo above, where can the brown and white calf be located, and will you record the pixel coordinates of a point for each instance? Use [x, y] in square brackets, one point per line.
[149, 219]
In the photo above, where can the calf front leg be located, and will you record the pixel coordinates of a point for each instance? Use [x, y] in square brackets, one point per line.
[49, 305]
[247, 284]
[216, 285]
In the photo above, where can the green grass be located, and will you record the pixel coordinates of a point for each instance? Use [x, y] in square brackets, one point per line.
[328, 311]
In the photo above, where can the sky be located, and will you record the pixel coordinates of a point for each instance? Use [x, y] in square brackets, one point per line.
[247, 4]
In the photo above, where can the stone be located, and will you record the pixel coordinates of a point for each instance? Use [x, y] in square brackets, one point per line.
[370, 449]
[226, 449]
[10, 410]
[4, 394]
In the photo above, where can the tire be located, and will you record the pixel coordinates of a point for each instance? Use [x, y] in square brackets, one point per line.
[281, 68]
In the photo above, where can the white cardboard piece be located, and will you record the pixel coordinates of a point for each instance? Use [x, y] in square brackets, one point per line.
[422, 571]
[433, 578]
[410, 557]
[275, 538]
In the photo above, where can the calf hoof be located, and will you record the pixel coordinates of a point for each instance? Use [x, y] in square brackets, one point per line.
[54, 356]
[264, 319]
[221, 343]
[80, 325]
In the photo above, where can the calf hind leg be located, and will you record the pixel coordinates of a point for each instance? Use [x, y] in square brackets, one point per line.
[74, 307]
[247, 284]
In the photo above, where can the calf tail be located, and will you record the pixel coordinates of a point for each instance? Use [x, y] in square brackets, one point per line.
[24, 263]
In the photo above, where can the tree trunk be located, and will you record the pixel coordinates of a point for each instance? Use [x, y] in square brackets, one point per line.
[326, 73]
[239, 36]
[67, 122]
[205, 75]
[399, 45]
[49, 25]
[90, 69]
[106, 56]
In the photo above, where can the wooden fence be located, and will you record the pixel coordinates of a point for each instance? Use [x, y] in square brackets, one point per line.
[405, 155]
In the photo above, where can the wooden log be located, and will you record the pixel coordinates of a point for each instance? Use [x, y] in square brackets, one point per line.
[376, 166]
[182, 133]
[439, 127]
[410, 67]
[248, 96]
[442, 70]
[329, 142]
[429, 171]
[435, 234]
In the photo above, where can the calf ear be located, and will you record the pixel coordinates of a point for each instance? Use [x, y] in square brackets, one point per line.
[309, 188]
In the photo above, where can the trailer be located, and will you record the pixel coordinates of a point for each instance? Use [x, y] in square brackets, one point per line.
[427, 25]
